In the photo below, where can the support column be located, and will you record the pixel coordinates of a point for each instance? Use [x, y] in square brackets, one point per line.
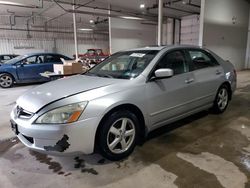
[75, 31]
[202, 14]
[160, 20]
[110, 42]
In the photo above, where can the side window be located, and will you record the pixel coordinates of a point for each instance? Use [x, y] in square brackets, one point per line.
[175, 61]
[34, 60]
[6, 57]
[53, 59]
[201, 59]
[30, 60]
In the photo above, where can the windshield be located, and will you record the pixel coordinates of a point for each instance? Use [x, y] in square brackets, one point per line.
[16, 59]
[124, 65]
[91, 52]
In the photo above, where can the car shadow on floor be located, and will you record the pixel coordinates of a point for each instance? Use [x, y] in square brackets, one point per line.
[28, 84]
[96, 159]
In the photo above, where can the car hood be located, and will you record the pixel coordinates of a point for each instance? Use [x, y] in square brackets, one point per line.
[2, 65]
[36, 98]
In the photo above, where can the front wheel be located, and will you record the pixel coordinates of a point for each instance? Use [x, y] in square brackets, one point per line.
[117, 136]
[221, 100]
[6, 80]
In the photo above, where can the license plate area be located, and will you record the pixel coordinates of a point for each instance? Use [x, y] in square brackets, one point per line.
[14, 127]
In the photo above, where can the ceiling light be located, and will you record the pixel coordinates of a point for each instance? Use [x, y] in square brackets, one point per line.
[10, 3]
[85, 29]
[91, 21]
[142, 6]
[184, 2]
[131, 18]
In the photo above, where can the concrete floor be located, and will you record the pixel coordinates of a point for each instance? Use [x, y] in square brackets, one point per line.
[204, 150]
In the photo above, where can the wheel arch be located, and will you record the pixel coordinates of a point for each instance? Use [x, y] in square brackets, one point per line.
[14, 78]
[228, 85]
[130, 107]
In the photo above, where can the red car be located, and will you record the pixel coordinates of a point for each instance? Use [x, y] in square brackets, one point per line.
[94, 55]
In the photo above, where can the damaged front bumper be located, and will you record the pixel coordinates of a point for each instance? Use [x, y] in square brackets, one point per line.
[59, 139]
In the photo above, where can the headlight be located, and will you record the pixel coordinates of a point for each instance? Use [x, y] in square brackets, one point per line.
[65, 114]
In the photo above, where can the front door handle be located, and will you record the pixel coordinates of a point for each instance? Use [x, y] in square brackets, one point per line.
[218, 72]
[188, 81]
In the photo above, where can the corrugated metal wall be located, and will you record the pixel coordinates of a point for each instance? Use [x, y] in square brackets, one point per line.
[11, 45]
[13, 41]
[190, 26]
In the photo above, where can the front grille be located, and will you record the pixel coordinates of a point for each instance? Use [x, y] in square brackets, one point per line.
[23, 114]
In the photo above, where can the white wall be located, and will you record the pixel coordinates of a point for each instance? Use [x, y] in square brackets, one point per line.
[127, 34]
[168, 35]
[221, 35]
[190, 30]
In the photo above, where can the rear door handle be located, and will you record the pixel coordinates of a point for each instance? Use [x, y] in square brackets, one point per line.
[188, 81]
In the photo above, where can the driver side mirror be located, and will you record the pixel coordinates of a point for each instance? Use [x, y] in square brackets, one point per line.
[21, 63]
[164, 73]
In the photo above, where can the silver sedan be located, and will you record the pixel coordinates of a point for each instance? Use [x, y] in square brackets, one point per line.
[118, 102]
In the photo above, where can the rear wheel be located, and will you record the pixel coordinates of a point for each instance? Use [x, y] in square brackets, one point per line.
[6, 80]
[117, 136]
[221, 100]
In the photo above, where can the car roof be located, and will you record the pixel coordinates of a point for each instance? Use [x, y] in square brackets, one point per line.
[167, 47]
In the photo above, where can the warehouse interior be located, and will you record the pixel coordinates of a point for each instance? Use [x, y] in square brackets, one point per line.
[203, 150]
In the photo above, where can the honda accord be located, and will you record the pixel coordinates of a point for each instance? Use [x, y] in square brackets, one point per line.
[119, 101]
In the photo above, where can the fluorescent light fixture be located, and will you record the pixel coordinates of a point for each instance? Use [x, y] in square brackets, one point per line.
[131, 18]
[85, 29]
[91, 21]
[142, 6]
[184, 2]
[10, 3]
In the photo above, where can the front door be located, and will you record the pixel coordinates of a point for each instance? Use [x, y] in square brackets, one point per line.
[170, 97]
[30, 68]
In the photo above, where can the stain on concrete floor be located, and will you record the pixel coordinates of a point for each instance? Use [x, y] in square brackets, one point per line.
[6, 144]
[43, 158]
[183, 154]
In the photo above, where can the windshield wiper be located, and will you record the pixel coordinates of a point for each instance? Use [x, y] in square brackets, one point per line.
[99, 75]
[90, 74]
[104, 75]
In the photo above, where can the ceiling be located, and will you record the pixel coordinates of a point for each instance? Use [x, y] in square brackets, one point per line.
[52, 12]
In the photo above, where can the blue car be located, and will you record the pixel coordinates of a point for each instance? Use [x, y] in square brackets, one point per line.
[27, 68]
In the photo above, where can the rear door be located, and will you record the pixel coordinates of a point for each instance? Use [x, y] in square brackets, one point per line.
[208, 75]
[30, 68]
[170, 97]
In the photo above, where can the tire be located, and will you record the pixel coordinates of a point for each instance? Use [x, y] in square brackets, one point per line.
[6, 80]
[116, 141]
[221, 100]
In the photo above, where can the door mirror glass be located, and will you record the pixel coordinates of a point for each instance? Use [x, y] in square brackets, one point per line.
[164, 73]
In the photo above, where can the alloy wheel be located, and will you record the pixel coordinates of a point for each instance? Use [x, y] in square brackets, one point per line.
[222, 100]
[6, 81]
[121, 135]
